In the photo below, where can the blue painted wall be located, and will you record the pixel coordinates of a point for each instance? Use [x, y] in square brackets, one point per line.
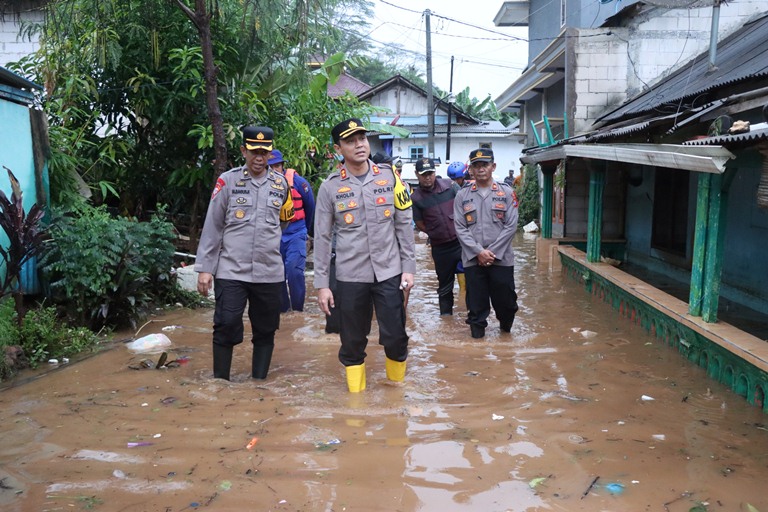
[746, 238]
[744, 278]
[16, 154]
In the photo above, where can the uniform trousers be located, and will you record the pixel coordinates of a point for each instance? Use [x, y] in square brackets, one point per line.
[355, 302]
[263, 311]
[446, 257]
[486, 286]
[293, 249]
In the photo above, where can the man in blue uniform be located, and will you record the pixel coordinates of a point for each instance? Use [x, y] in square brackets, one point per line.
[240, 246]
[293, 246]
[369, 210]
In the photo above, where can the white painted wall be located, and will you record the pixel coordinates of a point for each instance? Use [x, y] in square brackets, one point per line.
[12, 46]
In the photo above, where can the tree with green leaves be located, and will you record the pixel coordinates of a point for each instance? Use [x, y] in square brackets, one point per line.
[126, 87]
[485, 110]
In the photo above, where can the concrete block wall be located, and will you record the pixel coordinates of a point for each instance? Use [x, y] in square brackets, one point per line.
[14, 46]
[665, 39]
[613, 65]
[600, 75]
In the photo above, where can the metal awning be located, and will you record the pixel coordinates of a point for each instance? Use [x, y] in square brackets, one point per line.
[710, 159]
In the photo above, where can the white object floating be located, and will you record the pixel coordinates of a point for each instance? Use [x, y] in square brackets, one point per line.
[496, 417]
[647, 398]
[531, 227]
[150, 343]
[53, 361]
[588, 334]
[659, 437]
[575, 329]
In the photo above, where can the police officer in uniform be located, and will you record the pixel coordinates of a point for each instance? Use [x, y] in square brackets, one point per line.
[370, 210]
[485, 215]
[239, 252]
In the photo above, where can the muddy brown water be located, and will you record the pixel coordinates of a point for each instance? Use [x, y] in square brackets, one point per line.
[544, 418]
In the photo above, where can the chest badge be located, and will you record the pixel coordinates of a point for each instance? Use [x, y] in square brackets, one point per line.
[343, 189]
[240, 184]
[352, 204]
[382, 182]
[341, 206]
[275, 202]
[387, 212]
[380, 200]
[349, 218]
[240, 200]
[239, 214]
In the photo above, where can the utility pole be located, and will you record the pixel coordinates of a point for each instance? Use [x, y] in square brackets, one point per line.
[430, 98]
[451, 101]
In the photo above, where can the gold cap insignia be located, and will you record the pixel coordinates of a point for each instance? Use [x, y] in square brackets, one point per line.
[352, 124]
[260, 136]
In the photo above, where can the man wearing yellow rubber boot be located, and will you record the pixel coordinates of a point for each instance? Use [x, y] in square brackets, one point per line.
[370, 210]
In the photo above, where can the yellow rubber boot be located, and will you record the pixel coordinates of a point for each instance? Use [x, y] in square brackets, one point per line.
[356, 378]
[462, 283]
[395, 370]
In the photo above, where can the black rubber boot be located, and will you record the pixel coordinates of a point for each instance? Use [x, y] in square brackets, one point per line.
[446, 304]
[262, 357]
[222, 361]
[477, 331]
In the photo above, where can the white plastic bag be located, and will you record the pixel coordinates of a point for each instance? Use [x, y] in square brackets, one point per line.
[150, 343]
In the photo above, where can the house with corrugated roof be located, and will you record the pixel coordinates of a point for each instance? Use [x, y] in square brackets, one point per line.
[405, 104]
[666, 202]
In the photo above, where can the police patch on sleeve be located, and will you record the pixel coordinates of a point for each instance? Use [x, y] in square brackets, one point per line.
[219, 185]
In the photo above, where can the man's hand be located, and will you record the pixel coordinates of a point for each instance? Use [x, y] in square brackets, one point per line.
[204, 282]
[310, 244]
[486, 258]
[406, 281]
[325, 300]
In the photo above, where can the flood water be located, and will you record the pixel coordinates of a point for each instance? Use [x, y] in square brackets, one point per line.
[545, 418]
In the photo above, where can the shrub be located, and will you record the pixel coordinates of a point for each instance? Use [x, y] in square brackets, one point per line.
[104, 270]
[42, 336]
[529, 196]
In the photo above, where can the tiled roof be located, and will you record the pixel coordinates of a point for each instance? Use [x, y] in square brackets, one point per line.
[347, 83]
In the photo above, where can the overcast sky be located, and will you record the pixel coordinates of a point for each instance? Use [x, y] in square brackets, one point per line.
[487, 59]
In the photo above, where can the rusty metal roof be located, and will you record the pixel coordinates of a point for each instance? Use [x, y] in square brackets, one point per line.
[758, 132]
[741, 57]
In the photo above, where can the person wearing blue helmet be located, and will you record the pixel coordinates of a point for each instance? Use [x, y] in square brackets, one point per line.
[457, 172]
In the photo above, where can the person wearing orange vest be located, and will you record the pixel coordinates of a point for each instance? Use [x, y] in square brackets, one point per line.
[293, 246]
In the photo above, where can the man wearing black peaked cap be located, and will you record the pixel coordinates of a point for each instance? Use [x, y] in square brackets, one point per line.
[485, 216]
[369, 209]
[239, 253]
